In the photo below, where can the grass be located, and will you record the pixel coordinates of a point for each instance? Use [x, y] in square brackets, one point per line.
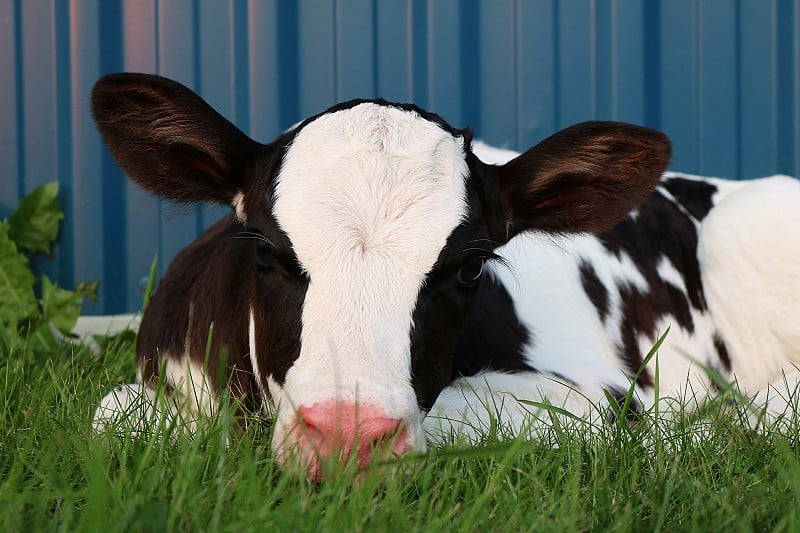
[56, 475]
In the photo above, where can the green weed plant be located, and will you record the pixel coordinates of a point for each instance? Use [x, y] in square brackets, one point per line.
[33, 309]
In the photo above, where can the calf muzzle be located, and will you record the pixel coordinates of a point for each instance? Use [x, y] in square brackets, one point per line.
[328, 436]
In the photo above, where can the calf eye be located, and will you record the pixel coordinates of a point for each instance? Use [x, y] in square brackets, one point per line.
[471, 270]
[265, 254]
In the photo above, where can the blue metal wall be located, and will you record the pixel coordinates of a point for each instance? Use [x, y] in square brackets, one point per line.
[721, 77]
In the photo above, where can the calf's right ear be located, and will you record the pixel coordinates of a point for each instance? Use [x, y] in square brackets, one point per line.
[170, 141]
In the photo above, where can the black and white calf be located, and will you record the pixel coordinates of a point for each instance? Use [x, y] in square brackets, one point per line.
[379, 284]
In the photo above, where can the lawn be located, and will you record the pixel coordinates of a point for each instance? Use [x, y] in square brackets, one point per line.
[55, 474]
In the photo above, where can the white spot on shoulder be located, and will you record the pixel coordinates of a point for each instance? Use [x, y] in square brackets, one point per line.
[188, 380]
[130, 406]
[667, 271]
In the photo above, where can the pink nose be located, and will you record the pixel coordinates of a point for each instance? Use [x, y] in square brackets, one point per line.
[331, 432]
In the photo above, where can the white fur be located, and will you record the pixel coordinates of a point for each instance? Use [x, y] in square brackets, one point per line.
[130, 407]
[238, 207]
[544, 282]
[140, 411]
[514, 404]
[136, 407]
[368, 196]
[775, 405]
[492, 154]
[750, 257]
[191, 388]
[257, 375]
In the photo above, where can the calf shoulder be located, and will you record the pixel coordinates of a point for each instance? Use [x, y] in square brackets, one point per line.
[197, 317]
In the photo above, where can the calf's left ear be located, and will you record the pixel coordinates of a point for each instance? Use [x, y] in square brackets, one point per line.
[582, 179]
[169, 140]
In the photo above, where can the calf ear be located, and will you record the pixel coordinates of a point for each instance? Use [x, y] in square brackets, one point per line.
[582, 179]
[169, 140]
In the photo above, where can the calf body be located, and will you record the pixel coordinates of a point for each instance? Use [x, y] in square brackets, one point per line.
[378, 284]
[711, 261]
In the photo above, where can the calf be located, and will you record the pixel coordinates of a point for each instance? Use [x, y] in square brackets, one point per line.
[377, 281]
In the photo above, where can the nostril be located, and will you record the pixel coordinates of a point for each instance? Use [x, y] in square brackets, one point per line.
[317, 428]
[310, 430]
[379, 431]
[307, 419]
[388, 440]
[323, 422]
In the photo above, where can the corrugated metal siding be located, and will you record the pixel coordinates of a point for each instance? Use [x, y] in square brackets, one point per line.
[721, 77]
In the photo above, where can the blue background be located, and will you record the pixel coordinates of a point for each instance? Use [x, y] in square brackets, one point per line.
[721, 77]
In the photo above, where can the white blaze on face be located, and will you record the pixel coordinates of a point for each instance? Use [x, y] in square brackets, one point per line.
[368, 196]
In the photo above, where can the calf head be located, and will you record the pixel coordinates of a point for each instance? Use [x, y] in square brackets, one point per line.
[370, 227]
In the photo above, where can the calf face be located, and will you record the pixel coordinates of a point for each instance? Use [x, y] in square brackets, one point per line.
[367, 228]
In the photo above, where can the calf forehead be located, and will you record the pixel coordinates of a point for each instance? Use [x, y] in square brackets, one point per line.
[371, 187]
[368, 197]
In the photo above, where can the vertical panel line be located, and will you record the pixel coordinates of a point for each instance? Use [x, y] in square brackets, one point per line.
[593, 52]
[288, 66]
[239, 31]
[615, 82]
[375, 58]
[556, 66]
[469, 64]
[430, 52]
[410, 49]
[157, 34]
[515, 73]
[114, 297]
[652, 63]
[337, 49]
[738, 88]
[796, 86]
[420, 52]
[160, 204]
[20, 98]
[63, 82]
[788, 114]
[774, 87]
[197, 81]
[697, 36]
[197, 48]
